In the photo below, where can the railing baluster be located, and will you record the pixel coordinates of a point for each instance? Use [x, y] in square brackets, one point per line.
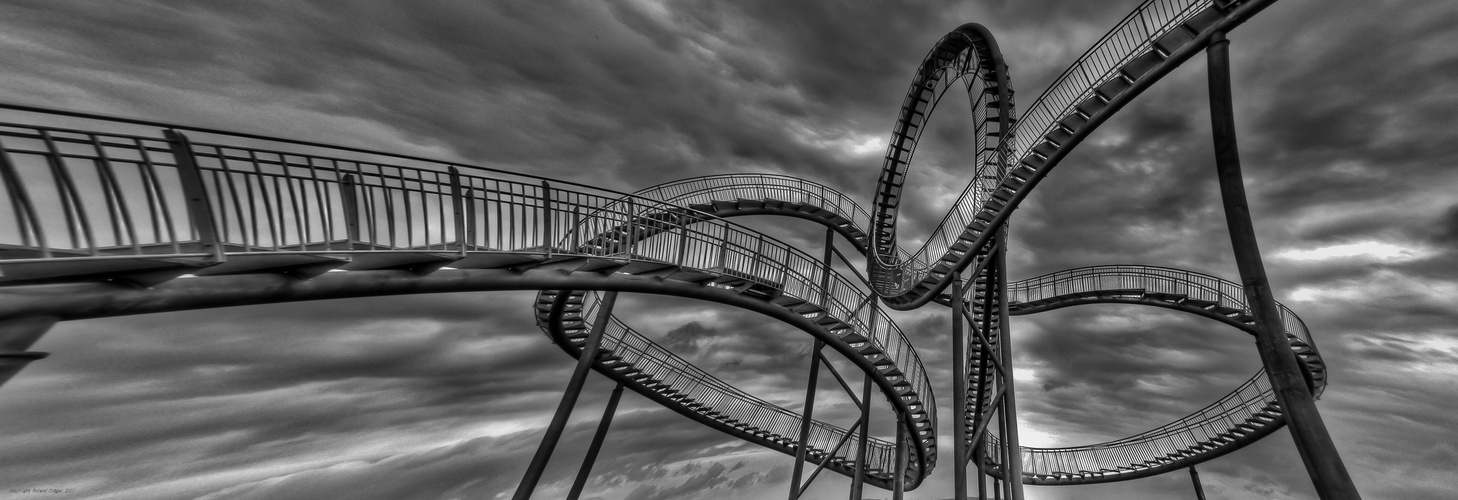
[26, 220]
[199, 204]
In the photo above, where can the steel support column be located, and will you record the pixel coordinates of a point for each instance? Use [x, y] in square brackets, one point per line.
[596, 446]
[1014, 464]
[959, 394]
[898, 483]
[800, 450]
[569, 399]
[858, 483]
[1195, 478]
[16, 336]
[979, 454]
[1314, 443]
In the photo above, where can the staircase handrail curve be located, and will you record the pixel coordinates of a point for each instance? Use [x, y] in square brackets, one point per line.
[699, 189]
[1244, 415]
[1167, 280]
[1134, 37]
[269, 200]
[968, 53]
[1152, 17]
[623, 339]
[1241, 403]
[608, 233]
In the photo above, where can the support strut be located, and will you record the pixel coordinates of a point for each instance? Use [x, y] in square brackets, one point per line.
[959, 394]
[596, 446]
[569, 399]
[1317, 450]
[1195, 478]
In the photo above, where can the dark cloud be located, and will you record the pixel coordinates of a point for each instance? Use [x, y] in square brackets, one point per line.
[1343, 114]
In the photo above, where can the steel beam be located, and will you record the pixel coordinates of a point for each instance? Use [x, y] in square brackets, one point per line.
[959, 394]
[858, 482]
[73, 301]
[569, 399]
[596, 446]
[809, 412]
[1318, 452]
[1014, 464]
[1195, 478]
[898, 481]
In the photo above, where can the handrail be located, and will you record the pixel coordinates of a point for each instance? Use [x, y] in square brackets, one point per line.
[665, 366]
[256, 198]
[1246, 413]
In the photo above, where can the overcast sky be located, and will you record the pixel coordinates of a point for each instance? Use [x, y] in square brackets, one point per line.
[1345, 112]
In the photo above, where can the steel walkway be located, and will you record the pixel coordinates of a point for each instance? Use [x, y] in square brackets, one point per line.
[108, 216]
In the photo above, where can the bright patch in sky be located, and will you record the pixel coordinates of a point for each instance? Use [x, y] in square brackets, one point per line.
[1025, 374]
[851, 143]
[1367, 250]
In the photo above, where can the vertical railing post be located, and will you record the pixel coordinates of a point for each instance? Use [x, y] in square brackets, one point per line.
[458, 204]
[349, 201]
[631, 242]
[199, 206]
[596, 446]
[569, 399]
[1318, 452]
[27, 222]
[576, 229]
[959, 394]
[547, 217]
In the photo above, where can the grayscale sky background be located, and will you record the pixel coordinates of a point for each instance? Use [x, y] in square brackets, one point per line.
[1345, 110]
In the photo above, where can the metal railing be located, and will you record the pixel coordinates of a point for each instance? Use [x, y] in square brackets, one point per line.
[1130, 37]
[663, 366]
[729, 187]
[1189, 435]
[1206, 289]
[1133, 36]
[1250, 409]
[117, 189]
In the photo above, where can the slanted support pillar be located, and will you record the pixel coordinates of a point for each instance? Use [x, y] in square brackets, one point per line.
[1313, 442]
[569, 398]
[1195, 478]
[858, 483]
[16, 336]
[898, 481]
[596, 446]
[801, 451]
[979, 453]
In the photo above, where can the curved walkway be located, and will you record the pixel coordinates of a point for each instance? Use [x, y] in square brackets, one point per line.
[104, 220]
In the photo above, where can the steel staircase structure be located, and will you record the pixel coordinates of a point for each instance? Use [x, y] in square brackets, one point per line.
[115, 216]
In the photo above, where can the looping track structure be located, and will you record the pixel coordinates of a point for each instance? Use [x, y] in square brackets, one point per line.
[111, 216]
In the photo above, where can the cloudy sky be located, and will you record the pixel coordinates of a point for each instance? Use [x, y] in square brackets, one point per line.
[1344, 109]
